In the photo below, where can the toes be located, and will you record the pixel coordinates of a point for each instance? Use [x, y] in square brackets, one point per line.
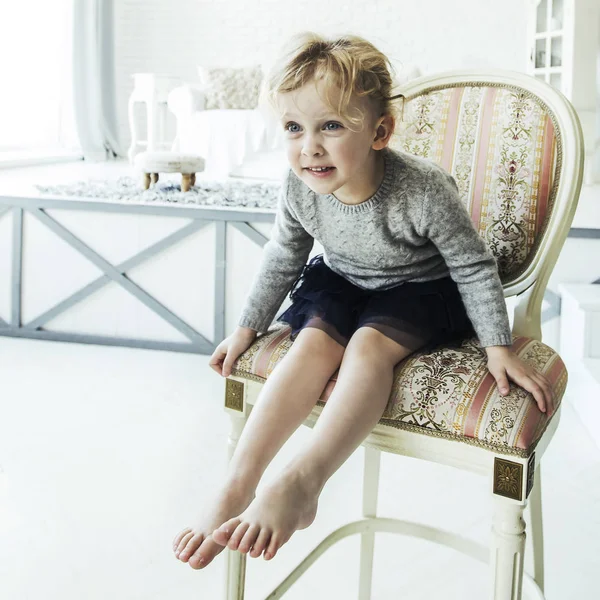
[179, 537]
[222, 534]
[261, 543]
[238, 534]
[272, 548]
[205, 554]
[249, 539]
[192, 545]
[183, 543]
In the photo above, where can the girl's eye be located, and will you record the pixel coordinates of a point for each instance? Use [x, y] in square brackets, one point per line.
[292, 127]
[332, 126]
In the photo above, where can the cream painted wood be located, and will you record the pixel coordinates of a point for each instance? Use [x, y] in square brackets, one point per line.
[537, 530]
[507, 552]
[235, 562]
[372, 464]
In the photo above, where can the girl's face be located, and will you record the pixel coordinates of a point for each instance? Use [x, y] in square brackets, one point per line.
[317, 138]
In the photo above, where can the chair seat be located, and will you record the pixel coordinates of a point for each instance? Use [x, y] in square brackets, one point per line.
[448, 392]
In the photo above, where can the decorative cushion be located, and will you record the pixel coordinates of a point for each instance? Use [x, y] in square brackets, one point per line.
[168, 162]
[500, 145]
[231, 88]
[447, 393]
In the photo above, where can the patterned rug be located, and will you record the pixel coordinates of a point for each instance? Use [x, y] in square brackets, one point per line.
[230, 193]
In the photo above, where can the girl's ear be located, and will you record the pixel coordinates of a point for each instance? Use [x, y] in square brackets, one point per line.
[383, 132]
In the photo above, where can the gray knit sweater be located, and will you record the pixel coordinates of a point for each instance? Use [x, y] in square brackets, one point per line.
[414, 228]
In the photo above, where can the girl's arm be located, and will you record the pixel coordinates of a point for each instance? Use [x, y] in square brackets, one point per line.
[283, 258]
[447, 224]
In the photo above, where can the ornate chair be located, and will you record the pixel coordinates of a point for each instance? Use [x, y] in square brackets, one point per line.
[515, 147]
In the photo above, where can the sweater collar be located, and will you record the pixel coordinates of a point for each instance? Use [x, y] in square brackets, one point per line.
[383, 191]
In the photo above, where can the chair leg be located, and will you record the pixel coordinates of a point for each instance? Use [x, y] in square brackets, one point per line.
[372, 463]
[507, 550]
[235, 574]
[154, 177]
[186, 182]
[235, 562]
[146, 181]
[537, 530]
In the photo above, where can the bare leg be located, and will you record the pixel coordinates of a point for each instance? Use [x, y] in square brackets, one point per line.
[353, 409]
[286, 399]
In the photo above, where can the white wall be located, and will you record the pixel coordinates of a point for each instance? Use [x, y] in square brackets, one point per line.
[173, 37]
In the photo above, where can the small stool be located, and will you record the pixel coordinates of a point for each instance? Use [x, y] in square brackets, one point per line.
[153, 163]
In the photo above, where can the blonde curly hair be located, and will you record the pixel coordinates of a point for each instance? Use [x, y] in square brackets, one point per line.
[350, 63]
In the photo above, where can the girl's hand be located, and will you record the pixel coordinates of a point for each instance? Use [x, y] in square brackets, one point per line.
[227, 352]
[504, 364]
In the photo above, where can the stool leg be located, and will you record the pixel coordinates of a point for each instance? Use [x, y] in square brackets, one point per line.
[193, 179]
[185, 182]
[507, 550]
[146, 181]
[154, 177]
[372, 462]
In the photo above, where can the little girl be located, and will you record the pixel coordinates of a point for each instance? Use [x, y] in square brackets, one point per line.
[404, 269]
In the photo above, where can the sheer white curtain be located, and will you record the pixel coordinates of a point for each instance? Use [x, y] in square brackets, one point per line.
[597, 140]
[94, 78]
[36, 100]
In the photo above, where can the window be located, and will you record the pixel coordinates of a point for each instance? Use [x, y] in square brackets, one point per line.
[36, 103]
[548, 61]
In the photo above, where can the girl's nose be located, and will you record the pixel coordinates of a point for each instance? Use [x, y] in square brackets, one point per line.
[312, 146]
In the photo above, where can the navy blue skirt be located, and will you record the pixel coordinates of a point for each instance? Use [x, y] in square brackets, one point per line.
[415, 315]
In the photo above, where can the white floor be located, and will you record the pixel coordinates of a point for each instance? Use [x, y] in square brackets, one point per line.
[106, 453]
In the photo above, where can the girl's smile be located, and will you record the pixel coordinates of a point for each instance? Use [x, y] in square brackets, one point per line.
[320, 172]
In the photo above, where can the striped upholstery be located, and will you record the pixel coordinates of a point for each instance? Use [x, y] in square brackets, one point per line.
[499, 143]
[501, 148]
[447, 393]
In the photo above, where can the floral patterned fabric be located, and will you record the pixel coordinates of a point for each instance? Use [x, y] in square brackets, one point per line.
[500, 146]
[447, 393]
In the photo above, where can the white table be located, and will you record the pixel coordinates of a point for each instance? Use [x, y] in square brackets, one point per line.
[152, 90]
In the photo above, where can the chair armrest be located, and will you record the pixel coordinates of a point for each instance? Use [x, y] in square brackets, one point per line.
[185, 100]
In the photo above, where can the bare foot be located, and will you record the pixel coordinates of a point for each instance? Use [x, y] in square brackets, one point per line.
[195, 545]
[288, 504]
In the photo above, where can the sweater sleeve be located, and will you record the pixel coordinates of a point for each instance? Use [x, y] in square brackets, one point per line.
[447, 223]
[283, 258]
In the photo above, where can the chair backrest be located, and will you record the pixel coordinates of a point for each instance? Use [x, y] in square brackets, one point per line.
[514, 145]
